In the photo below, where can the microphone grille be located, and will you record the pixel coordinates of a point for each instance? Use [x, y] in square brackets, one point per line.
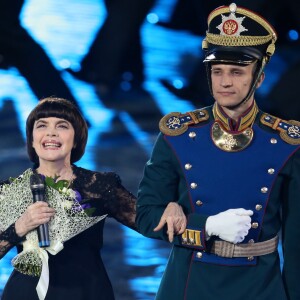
[36, 181]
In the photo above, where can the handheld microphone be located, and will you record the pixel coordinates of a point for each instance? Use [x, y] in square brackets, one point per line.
[37, 187]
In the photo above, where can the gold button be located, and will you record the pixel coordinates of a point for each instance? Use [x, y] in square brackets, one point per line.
[199, 202]
[251, 241]
[199, 254]
[264, 190]
[216, 126]
[248, 132]
[258, 206]
[193, 185]
[187, 166]
[273, 141]
[271, 171]
[192, 134]
[250, 258]
[254, 225]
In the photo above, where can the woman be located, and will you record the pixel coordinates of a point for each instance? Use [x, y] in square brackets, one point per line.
[56, 139]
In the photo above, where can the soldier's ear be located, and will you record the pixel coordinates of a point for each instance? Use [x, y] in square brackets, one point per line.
[260, 80]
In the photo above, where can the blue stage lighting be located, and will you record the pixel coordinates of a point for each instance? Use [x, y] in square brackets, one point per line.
[293, 35]
[152, 18]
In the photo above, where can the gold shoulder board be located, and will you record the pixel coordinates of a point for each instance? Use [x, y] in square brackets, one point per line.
[176, 123]
[289, 130]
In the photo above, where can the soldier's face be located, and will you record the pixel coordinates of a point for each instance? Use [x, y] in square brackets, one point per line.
[231, 83]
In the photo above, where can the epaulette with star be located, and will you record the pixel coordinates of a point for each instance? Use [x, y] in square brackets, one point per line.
[176, 123]
[289, 130]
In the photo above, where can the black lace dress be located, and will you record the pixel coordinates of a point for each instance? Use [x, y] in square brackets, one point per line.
[77, 272]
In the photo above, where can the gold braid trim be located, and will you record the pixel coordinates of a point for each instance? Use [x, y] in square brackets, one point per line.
[218, 115]
[246, 121]
[242, 40]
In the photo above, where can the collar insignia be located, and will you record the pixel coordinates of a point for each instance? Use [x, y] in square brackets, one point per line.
[245, 121]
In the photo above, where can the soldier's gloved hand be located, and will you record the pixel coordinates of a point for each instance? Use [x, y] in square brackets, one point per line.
[231, 225]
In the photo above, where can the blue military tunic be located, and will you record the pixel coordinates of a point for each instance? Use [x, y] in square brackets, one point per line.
[188, 166]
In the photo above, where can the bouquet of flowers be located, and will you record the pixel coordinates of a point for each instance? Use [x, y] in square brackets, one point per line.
[72, 216]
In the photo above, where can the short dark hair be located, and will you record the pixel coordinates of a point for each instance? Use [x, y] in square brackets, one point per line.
[63, 109]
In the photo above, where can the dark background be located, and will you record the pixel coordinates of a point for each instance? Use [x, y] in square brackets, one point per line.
[139, 60]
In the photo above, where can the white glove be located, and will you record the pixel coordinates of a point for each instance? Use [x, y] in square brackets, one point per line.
[231, 225]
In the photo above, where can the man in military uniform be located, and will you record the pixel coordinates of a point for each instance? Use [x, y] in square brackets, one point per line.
[235, 170]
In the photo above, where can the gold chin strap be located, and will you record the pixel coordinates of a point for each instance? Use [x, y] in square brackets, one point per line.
[230, 142]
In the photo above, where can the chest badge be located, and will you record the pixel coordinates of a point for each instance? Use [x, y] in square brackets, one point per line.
[230, 142]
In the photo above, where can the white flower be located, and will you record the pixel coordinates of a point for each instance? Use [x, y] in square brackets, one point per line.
[67, 204]
[71, 193]
[64, 190]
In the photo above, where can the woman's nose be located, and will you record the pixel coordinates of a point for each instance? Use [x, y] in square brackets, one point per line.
[51, 132]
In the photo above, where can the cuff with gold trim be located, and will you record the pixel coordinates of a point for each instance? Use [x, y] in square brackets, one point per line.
[194, 235]
[193, 238]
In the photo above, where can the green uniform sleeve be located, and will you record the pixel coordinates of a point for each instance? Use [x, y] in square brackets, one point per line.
[163, 182]
[291, 228]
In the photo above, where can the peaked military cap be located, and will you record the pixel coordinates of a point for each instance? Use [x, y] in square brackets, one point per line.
[238, 35]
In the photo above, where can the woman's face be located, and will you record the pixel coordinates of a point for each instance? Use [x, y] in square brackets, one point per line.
[53, 140]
